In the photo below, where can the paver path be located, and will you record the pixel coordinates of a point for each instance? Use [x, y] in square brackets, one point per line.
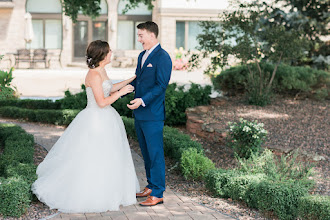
[175, 206]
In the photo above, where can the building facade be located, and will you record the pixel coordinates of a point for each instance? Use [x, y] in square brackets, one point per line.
[54, 31]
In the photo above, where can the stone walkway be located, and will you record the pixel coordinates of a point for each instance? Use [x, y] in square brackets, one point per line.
[175, 206]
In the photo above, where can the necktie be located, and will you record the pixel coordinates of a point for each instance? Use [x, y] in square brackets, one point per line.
[144, 58]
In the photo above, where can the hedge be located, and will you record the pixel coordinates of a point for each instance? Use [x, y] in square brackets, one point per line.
[57, 117]
[31, 103]
[17, 171]
[177, 100]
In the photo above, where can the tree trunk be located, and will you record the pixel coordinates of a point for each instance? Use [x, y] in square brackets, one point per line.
[274, 72]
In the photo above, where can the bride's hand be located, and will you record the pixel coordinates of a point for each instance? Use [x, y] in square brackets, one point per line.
[126, 89]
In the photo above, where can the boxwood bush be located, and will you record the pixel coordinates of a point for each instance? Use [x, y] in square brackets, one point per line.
[17, 171]
[57, 117]
[314, 207]
[194, 164]
[14, 196]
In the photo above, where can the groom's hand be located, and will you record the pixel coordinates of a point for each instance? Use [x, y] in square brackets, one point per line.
[135, 103]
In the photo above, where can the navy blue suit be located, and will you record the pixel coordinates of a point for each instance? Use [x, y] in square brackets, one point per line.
[150, 85]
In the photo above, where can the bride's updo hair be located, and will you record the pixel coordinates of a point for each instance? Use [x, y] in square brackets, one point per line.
[96, 52]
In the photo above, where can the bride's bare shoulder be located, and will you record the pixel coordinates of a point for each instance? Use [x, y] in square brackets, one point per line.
[92, 76]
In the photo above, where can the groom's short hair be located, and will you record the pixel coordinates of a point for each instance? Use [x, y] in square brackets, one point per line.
[149, 26]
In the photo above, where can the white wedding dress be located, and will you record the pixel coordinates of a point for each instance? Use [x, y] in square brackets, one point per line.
[90, 167]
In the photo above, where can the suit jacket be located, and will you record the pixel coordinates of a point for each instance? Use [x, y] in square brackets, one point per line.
[151, 83]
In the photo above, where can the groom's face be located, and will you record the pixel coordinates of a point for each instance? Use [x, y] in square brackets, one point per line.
[146, 38]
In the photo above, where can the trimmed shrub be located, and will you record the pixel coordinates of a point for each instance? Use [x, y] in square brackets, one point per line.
[25, 171]
[76, 101]
[14, 196]
[217, 180]
[175, 142]
[238, 186]
[314, 207]
[31, 103]
[194, 164]
[58, 117]
[281, 198]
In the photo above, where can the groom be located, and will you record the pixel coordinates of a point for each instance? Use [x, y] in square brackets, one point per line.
[153, 74]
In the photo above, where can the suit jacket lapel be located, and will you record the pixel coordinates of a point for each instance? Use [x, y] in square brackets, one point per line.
[149, 57]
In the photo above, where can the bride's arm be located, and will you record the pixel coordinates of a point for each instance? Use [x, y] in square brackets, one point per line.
[96, 84]
[120, 85]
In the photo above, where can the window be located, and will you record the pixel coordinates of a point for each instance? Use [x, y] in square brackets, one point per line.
[186, 34]
[180, 34]
[126, 28]
[46, 23]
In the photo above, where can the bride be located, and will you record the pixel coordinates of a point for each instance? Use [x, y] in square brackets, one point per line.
[90, 167]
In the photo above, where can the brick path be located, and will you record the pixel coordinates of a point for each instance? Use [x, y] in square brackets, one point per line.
[175, 206]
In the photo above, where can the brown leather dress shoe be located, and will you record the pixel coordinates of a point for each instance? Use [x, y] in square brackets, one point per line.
[146, 192]
[151, 201]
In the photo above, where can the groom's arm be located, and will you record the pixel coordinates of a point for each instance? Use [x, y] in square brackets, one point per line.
[163, 74]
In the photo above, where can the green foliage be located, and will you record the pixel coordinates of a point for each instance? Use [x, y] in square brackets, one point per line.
[247, 34]
[216, 180]
[278, 197]
[246, 137]
[121, 105]
[177, 100]
[92, 7]
[58, 117]
[31, 103]
[76, 101]
[14, 196]
[287, 168]
[16, 163]
[312, 17]
[314, 207]
[25, 171]
[6, 90]
[289, 80]
[175, 143]
[194, 164]
[130, 127]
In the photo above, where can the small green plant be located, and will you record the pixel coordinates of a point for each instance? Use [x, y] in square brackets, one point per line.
[246, 137]
[7, 91]
[194, 164]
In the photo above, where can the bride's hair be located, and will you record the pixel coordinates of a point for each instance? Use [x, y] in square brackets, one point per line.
[96, 52]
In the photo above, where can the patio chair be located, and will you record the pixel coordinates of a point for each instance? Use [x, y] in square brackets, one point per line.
[40, 56]
[22, 55]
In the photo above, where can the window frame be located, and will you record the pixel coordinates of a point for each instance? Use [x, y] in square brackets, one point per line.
[135, 19]
[48, 16]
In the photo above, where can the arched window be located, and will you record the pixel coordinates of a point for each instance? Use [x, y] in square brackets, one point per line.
[127, 31]
[46, 22]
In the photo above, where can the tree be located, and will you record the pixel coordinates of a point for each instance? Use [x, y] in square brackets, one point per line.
[92, 7]
[310, 16]
[251, 35]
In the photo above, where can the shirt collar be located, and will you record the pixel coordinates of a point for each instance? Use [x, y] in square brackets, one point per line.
[149, 51]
